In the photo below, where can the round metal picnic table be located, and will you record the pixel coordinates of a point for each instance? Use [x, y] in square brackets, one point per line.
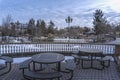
[90, 52]
[48, 58]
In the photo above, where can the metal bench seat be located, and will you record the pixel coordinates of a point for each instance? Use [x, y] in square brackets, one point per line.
[105, 61]
[7, 59]
[37, 75]
[29, 74]
[8, 62]
[70, 66]
[78, 58]
[25, 64]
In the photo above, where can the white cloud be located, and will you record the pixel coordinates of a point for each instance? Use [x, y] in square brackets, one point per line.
[114, 5]
[80, 11]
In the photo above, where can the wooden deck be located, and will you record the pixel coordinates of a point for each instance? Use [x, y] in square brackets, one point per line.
[79, 73]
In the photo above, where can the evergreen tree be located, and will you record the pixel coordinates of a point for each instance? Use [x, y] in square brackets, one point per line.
[43, 28]
[18, 28]
[13, 29]
[38, 28]
[86, 29]
[31, 27]
[99, 22]
[51, 27]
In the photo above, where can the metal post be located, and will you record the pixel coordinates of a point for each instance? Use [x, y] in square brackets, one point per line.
[68, 20]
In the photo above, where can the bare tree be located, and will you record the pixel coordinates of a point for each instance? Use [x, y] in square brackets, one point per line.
[6, 25]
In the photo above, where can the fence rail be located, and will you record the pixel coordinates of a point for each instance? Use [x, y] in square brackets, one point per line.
[57, 47]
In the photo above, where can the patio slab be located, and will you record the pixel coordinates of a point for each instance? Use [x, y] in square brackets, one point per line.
[79, 73]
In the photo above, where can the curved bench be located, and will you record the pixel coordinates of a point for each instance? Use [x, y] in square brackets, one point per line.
[80, 58]
[70, 66]
[105, 59]
[25, 65]
[35, 75]
[8, 62]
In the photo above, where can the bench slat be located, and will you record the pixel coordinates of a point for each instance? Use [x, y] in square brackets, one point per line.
[70, 64]
[37, 75]
[25, 64]
[7, 59]
[8, 62]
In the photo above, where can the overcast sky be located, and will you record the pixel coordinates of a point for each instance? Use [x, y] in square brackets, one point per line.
[57, 10]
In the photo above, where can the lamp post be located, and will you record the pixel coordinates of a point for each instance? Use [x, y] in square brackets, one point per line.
[68, 20]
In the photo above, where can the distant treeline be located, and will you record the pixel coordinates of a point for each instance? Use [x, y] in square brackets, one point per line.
[38, 28]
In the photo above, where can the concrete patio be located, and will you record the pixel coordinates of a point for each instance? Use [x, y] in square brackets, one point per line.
[110, 73]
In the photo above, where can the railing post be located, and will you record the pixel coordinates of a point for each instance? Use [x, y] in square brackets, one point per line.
[117, 50]
[117, 53]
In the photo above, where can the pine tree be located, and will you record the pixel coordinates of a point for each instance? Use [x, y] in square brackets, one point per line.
[31, 27]
[51, 27]
[43, 28]
[99, 22]
[38, 28]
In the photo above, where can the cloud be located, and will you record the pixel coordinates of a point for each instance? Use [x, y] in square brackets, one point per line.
[57, 10]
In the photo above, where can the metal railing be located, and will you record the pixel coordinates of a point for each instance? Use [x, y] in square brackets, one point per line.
[57, 47]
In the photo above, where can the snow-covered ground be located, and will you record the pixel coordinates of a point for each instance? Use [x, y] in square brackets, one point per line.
[117, 41]
[18, 60]
[2, 61]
